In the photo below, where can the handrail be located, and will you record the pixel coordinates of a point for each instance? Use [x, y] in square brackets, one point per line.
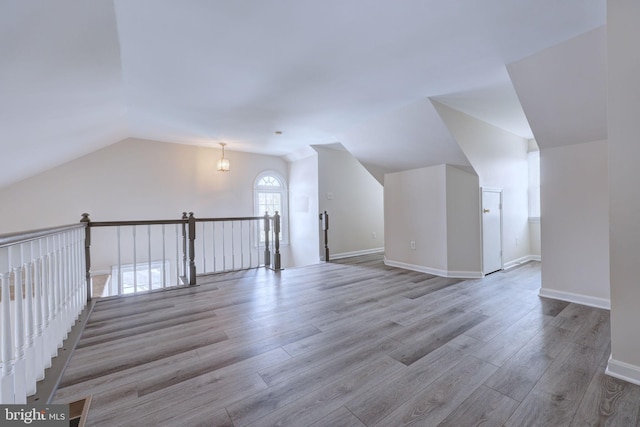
[27, 236]
[237, 218]
[137, 222]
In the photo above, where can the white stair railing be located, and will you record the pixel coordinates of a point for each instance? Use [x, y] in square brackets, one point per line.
[42, 293]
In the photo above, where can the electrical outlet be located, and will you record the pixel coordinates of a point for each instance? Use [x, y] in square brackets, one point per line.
[373, 235]
[413, 244]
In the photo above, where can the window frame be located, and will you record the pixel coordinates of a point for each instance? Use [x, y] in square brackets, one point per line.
[282, 189]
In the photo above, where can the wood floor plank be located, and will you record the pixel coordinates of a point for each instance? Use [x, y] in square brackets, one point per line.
[504, 345]
[341, 417]
[374, 405]
[557, 395]
[608, 402]
[436, 338]
[485, 407]
[305, 376]
[314, 406]
[434, 403]
[521, 372]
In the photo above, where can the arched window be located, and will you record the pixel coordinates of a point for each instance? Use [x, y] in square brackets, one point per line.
[271, 195]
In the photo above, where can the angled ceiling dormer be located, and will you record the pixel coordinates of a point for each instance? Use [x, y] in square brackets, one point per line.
[410, 137]
[563, 90]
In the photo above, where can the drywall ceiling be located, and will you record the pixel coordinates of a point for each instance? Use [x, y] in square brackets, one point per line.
[563, 90]
[78, 75]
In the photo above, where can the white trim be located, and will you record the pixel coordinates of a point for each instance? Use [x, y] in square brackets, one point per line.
[491, 189]
[356, 253]
[520, 261]
[624, 371]
[577, 298]
[435, 271]
[100, 272]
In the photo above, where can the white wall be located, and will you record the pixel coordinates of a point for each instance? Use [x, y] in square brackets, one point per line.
[623, 32]
[138, 179]
[575, 223]
[303, 208]
[353, 198]
[535, 239]
[500, 160]
[464, 240]
[415, 210]
[437, 208]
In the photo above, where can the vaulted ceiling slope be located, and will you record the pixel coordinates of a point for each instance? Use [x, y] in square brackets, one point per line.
[563, 90]
[77, 75]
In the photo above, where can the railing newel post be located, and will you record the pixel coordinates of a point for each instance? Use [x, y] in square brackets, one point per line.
[267, 228]
[324, 217]
[185, 219]
[192, 249]
[277, 264]
[87, 252]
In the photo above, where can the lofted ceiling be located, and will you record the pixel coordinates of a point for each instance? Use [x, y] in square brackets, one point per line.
[78, 75]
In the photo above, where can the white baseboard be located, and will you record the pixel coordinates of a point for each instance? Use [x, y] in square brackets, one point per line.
[520, 261]
[356, 253]
[435, 271]
[576, 298]
[624, 371]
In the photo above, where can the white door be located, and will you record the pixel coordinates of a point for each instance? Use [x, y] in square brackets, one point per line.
[491, 230]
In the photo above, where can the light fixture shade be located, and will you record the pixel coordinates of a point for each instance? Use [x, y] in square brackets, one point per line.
[223, 164]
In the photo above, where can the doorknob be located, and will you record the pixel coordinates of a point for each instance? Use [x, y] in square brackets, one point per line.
[485, 210]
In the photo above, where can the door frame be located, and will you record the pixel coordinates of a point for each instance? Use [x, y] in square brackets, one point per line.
[490, 190]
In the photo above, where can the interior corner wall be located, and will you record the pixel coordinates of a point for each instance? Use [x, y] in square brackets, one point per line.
[623, 30]
[415, 211]
[500, 160]
[353, 198]
[464, 237]
[574, 199]
[432, 222]
[304, 234]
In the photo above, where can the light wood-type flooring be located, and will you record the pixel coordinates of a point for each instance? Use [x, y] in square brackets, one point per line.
[349, 343]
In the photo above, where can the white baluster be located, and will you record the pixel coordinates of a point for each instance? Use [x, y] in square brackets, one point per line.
[82, 282]
[120, 284]
[149, 256]
[213, 238]
[135, 263]
[19, 334]
[6, 352]
[177, 254]
[29, 314]
[55, 291]
[49, 303]
[79, 282]
[204, 249]
[39, 310]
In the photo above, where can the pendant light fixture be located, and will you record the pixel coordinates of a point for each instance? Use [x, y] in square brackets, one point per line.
[223, 164]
